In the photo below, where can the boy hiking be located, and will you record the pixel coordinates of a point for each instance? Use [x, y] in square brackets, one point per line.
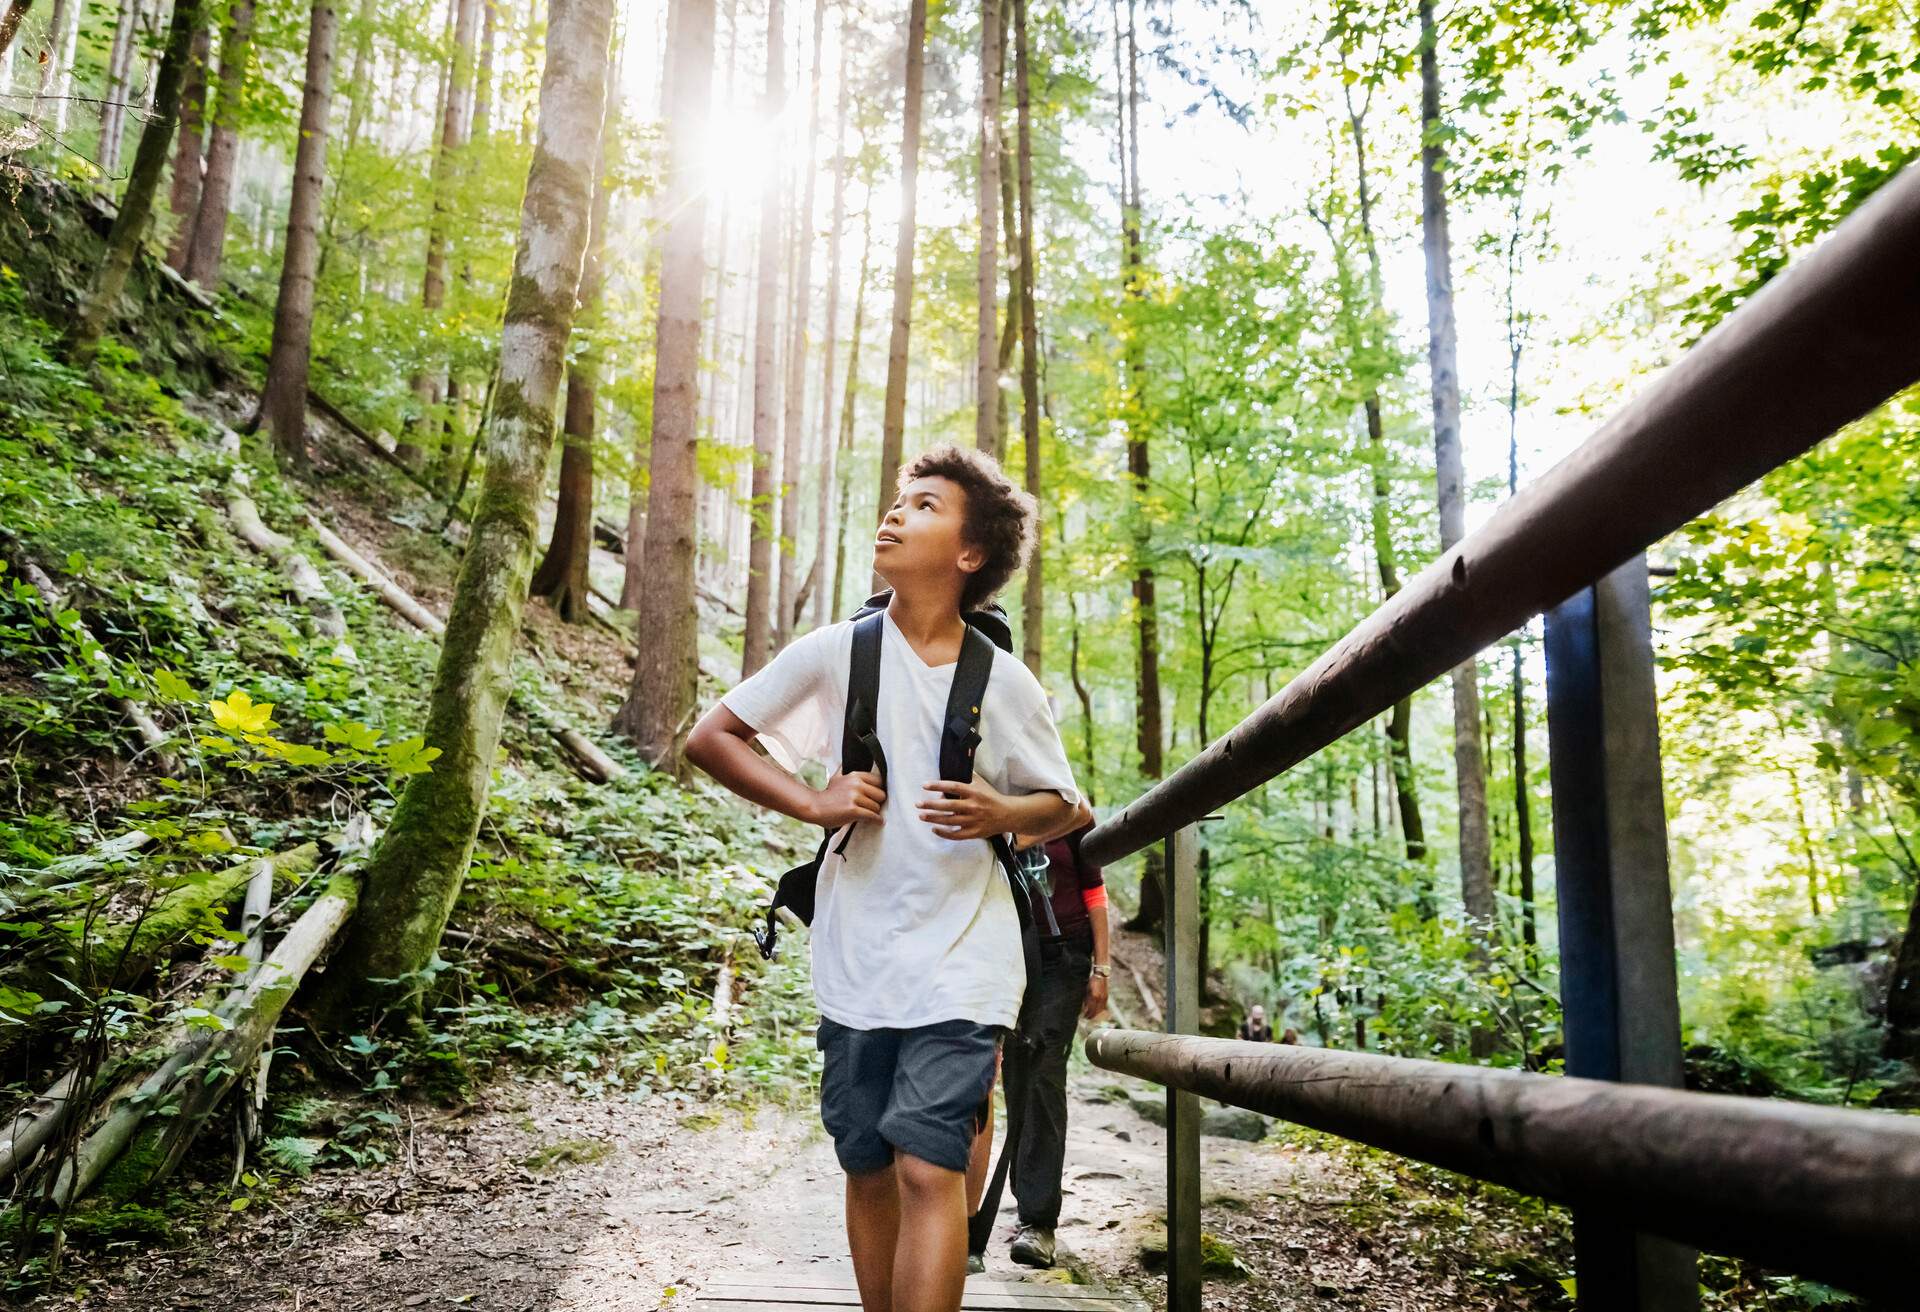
[916, 945]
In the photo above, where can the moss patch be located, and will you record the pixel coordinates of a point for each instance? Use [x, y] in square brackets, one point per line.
[566, 1152]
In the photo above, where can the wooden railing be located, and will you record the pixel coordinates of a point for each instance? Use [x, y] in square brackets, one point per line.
[1831, 1193]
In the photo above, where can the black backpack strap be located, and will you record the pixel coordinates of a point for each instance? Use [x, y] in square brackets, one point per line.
[859, 740]
[960, 730]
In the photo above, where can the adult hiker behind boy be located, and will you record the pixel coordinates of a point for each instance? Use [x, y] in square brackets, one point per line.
[917, 958]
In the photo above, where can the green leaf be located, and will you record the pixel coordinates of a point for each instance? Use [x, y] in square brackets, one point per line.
[172, 687]
[412, 756]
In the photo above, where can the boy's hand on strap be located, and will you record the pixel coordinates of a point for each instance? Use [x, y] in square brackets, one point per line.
[964, 811]
[848, 799]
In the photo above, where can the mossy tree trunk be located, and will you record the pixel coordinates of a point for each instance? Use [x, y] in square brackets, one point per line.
[283, 405]
[415, 874]
[660, 705]
[136, 205]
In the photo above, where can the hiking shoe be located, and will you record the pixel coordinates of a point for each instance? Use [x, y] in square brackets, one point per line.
[1032, 1246]
[976, 1263]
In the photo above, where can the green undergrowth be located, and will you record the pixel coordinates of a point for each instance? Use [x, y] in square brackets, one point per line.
[1508, 1242]
[593, 921]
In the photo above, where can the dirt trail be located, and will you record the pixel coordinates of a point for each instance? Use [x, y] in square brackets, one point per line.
[537, 1200]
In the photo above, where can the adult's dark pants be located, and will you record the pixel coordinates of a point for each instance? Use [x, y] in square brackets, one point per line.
[1050, 1014]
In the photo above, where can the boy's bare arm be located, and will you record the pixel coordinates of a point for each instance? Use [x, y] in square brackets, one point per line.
[977, 810]
[722, 745]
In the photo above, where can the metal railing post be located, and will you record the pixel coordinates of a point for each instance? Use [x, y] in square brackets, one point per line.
[1183, 1108]
[1617, 977]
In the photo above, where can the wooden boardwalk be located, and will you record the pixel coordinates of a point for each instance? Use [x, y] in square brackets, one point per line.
[818, 1289]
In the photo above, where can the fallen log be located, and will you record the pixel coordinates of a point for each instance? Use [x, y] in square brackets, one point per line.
[144, 724]
[302, 577]
[205, 1078]
[376, 578]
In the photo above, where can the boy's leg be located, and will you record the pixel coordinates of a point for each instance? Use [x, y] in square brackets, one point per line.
[855, 1086]
[941, 1075]
[930, 1262]
[873, 1234]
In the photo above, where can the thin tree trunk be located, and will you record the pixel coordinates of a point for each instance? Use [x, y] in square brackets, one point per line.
[1033, 598]
[766, 440]
[183, 199]
[482, 122]
[799, 311]
[223, 149]
[428, 386]
[1476, 870]
[283, 405]
[63, 30]
[1522, 799]
[660, 704]
[415, 875]
[893, 417]
[847, 408]
[986, 417]
[136, 204]
[1147, 721]
[113, 106]
[562, 575]
[825, 602]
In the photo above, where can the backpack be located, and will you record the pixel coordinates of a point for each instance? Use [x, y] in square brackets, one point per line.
[959, 736]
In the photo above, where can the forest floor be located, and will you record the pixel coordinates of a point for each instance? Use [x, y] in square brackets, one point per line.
[533, 1199]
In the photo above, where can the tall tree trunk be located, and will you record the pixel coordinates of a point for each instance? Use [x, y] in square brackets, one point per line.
[428, 383]
[1476, 869]
[633, 567]
[661, 702]
[183, 198]
[63, 31]
[893, 415]
[1400, 719]
[766, 328]
[482, 121]
[986, 418]
[1522, 797]
[283, 405]
[562, 576]
[9, 28]
[826, 599]
[415, 875]
[136, 204]
[113, 105]
[847, 408]
[1033, 598]
[223, 149]
[799, 311]
[1147, 720]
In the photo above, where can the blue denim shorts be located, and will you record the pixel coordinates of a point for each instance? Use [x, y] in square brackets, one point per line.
[919, 1091]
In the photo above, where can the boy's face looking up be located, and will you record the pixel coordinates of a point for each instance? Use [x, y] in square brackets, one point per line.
[922, 543]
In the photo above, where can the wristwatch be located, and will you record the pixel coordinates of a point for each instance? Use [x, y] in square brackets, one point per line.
[1103, 971]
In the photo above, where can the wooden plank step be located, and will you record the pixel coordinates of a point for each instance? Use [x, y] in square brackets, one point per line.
[817, 1289]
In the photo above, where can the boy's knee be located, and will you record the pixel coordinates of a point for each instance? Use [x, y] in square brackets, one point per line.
[922, 1179]
[875, 1183]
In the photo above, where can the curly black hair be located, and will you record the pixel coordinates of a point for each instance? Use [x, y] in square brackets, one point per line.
[999, 516]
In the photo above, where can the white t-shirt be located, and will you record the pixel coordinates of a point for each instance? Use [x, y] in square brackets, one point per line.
[909, 928]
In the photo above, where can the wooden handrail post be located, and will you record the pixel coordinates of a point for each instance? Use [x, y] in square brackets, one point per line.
[1618, 988]
[1183, 1108]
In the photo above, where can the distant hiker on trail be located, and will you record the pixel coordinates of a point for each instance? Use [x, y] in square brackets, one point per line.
[1074, 968]
[917, 944]
[1254, 1029]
